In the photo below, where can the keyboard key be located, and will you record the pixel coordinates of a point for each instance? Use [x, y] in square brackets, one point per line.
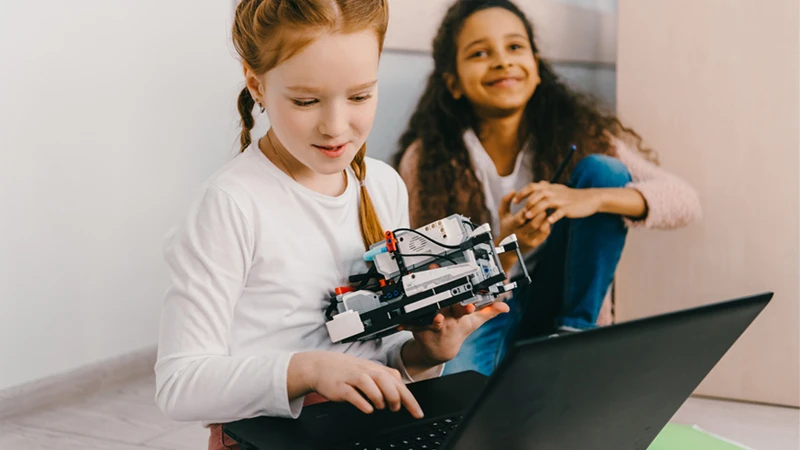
[425, 437]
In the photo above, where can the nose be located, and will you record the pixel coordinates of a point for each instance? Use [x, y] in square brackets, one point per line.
[501, 60]
[333, 120]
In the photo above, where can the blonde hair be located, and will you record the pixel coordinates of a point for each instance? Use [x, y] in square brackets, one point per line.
[268, 32]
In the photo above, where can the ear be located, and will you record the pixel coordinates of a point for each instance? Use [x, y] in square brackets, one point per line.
[451, 81]
[253, 83]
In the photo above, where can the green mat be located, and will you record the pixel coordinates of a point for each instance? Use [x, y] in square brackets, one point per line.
[682, 437]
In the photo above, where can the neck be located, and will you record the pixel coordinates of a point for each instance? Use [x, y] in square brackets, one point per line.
[326, 184]
[501, 139]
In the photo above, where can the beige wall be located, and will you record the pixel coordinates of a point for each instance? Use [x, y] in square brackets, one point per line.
[565, 32]
[714, 87]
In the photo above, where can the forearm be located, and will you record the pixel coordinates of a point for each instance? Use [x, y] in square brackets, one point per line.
[418, 365]
[223, 388]
[626, 202]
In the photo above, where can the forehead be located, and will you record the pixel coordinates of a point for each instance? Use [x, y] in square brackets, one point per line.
[332, 62]
[491, 23]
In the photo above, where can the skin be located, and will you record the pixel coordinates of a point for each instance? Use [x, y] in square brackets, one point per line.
[498, 74]
[321, 103]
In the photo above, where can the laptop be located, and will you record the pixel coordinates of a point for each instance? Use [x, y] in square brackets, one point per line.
[609, 388]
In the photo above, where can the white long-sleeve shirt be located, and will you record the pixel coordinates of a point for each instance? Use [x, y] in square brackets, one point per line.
[251, 271]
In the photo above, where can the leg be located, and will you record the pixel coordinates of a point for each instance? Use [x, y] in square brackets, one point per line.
[578, 261]
[479, 350]
[594, 246]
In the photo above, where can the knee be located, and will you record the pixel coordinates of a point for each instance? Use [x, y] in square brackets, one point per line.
[600, 171]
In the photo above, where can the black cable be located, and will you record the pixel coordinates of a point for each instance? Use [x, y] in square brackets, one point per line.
[371, 273]
[411, 255]
[428, 238]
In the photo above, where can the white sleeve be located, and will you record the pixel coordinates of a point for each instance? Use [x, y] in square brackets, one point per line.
[209, 258]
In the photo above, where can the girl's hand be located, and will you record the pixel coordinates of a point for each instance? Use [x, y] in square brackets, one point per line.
[556, 201]
[531, 230]
[346, 378]
[440, 342]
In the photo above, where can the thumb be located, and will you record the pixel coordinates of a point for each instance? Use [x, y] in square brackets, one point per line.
[489, 312]
[505, 203]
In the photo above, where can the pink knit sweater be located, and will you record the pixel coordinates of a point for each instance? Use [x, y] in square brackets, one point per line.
[671, 201]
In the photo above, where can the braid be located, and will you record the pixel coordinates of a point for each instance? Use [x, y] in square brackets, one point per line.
[371, 229]
[246, 104]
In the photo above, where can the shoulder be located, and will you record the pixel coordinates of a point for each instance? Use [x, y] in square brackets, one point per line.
[382, 177]
[388, 193]
[236, 174]
[410, 161]
[240, 182]
[626, 149]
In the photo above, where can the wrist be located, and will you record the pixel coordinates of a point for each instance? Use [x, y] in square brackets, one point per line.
[300, 374]
[416, 358]
[600, 200]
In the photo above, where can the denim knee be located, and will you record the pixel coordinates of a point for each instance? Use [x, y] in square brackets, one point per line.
[600, 171]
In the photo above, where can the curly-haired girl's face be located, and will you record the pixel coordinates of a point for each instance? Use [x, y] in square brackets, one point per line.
[496, 66]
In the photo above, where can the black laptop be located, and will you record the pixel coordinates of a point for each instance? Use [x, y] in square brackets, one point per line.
[610, 388]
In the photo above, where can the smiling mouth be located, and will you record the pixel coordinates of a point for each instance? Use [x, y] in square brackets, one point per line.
[504, 82]
[332, 151]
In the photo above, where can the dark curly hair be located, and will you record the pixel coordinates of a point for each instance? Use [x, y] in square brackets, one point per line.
[555, 118]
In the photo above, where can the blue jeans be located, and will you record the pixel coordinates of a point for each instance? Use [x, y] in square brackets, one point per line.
[569, 282]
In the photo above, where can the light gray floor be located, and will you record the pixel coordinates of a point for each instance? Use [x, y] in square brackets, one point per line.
[127, 419]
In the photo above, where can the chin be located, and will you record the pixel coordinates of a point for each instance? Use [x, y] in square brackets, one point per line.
[326, 166]
[504, 104]
[331, 167]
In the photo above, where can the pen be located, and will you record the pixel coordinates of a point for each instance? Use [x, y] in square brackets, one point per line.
[556, 176]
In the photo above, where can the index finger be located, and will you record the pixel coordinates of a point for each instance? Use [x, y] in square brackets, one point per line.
[528, 190]
[535, 223]
[409, 401]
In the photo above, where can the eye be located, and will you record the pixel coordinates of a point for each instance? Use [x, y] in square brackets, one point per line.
[304, 103]
[478, 54]
[361, 98]
[516, 47]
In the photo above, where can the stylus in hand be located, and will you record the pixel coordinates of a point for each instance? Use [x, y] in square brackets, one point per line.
[555, 178]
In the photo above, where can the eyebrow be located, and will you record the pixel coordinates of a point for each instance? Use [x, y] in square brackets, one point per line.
[517, 35]
[312, 90]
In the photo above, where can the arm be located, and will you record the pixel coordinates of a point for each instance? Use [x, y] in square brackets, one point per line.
[654, 198]
[626, 202]
[208, 260]
[417, 364]
[671, 201]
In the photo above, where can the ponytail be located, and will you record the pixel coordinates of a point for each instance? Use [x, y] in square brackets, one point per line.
[245, 105]
[371, 229]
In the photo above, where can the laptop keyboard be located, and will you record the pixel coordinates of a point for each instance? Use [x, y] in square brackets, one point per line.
[427, 436]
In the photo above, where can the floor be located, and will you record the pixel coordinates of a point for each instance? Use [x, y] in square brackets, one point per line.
[126, 418]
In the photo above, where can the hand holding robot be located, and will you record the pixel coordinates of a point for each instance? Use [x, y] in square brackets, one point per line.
[422, 280]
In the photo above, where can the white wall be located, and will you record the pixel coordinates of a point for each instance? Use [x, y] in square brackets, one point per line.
[714, 87]
[111, 112]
